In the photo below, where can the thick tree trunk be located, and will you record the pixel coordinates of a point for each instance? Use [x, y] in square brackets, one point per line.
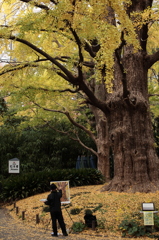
[102, 143]
[130, 130]
[102, 140]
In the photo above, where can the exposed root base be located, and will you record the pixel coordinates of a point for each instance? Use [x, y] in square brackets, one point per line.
[127, 186]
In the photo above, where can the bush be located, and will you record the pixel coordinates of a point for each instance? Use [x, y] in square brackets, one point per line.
[156, 222]
[78, 226]
[75, 211]
[131, 228]
[24, 185]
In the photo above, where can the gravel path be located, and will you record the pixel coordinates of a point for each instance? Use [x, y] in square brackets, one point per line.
[10, 229]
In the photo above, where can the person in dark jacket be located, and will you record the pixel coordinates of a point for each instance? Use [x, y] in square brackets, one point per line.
[90, 218]
[53, 200]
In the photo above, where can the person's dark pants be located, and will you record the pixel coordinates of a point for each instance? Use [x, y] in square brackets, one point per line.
[57, 215]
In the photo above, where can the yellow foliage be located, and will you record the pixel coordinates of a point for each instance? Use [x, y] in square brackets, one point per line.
[51, 28]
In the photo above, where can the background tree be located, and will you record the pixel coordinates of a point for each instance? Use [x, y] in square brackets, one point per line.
[39, 147]
[61, 96]
[116, 51]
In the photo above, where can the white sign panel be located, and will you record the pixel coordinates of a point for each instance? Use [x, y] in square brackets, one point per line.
[14, 165]
[148, 207]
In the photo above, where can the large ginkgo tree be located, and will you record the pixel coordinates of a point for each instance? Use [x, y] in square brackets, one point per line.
[100, 51]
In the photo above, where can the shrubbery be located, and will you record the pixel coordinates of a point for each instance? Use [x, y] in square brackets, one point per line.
[133, 228]
[21, 186]
[78, 227]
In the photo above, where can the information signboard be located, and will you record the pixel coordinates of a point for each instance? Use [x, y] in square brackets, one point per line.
[148, 218]
[14, 165]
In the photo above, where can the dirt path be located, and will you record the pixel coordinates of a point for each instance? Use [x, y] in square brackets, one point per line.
[10, 229]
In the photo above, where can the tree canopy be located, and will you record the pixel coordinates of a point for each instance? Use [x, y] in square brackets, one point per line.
[98, 53]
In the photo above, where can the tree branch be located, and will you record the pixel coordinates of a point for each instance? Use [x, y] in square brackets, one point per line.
[117, 54]
[151, 59]
[69, 75]
[89, 64]
[77, 139]
[21, 66]
[42, 6]
[14, 68]
[90, 149]
[49, 90]
[70, 119]
[55, 2]
[152, 95]
[81, 59]
[89, 49]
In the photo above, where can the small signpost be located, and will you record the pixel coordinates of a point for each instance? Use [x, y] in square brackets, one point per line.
[148, 218]
[14, 165]
[148, 210]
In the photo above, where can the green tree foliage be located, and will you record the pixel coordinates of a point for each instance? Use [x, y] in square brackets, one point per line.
[39, 148]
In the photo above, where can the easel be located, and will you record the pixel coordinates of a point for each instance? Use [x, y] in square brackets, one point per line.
[68, 213]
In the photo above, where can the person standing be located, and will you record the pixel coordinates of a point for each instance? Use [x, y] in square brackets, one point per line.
[53, 200]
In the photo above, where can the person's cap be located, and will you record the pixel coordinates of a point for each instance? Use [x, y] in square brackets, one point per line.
[53, 186]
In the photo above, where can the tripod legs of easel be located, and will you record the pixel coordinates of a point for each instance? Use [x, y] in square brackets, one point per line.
[68, 213]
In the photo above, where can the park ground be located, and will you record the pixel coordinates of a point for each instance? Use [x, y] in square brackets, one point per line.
[110, 209]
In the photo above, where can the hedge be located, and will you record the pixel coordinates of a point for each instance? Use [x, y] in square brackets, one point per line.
[24, 185]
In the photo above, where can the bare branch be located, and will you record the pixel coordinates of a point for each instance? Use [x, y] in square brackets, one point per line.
[77, 139]
[70, 119]
[80, 126]
[90, 149]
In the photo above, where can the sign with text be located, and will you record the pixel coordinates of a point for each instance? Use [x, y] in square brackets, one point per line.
[14, 165]
[148, 218]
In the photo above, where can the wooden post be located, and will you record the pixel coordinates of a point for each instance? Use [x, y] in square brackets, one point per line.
[17, 210]
[23, 215]
[37, 218]
[14, 204]
[93, 224]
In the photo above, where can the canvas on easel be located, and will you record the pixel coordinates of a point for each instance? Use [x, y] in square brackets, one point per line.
[64, 185]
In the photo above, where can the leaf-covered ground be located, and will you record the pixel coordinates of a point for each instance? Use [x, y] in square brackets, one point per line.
[110, 209]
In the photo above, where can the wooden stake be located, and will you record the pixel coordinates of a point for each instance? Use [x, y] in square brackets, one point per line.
[23, 215]
[37, 218]
[17, 210]
[93, 225]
